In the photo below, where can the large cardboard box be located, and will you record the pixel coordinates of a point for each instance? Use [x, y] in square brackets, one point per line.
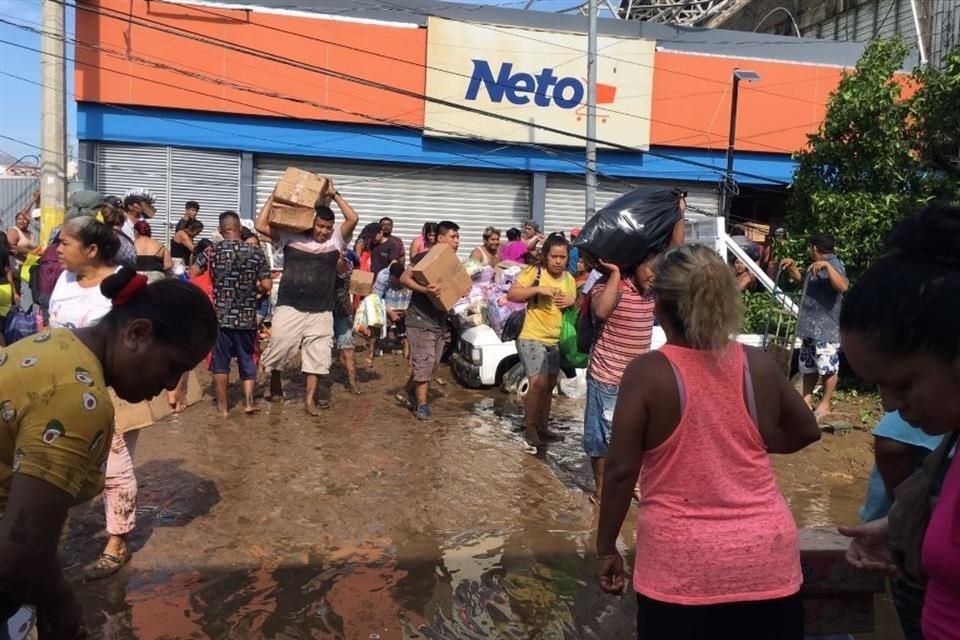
[289, 217]
[299, 187]
[131, 416]
[361, 283]
[442, 267]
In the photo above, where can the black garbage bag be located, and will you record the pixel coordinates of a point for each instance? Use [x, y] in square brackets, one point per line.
[628, 229]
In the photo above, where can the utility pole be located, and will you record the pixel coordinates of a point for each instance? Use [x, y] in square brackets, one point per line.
[53, 164]
[591, 194]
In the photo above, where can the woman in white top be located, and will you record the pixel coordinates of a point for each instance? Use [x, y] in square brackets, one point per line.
[88, 251]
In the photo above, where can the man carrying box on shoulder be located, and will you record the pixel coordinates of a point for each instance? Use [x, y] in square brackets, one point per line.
[426, 328]
[303, 318]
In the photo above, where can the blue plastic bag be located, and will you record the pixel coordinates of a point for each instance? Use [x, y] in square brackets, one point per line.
[19, 324]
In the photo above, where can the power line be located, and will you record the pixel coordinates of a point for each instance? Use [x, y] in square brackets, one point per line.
[405, 92]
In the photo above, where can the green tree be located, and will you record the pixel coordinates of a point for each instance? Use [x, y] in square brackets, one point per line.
[858, 173]
[935, 123]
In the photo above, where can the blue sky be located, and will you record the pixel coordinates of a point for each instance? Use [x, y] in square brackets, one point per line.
[20, 100]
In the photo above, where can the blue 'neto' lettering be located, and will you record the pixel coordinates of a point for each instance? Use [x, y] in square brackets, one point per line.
[566, 93]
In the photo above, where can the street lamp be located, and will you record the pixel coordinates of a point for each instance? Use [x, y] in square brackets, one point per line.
[726, 190]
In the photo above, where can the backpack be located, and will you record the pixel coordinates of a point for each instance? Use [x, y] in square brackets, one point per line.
[513, 325]
[83, 203]
[44, 275]
[588, 327]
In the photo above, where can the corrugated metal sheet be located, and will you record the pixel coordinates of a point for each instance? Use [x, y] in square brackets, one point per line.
[413, 195]
[173, 175]
[945, 30]
[15, 192]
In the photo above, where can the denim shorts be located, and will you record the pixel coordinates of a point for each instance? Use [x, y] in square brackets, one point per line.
[598, 417]
[342, 330]
[239, 344]
[538, 358]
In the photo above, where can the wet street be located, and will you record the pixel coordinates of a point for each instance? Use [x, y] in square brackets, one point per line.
[367, 524]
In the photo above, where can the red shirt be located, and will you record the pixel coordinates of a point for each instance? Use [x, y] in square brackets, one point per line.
[625, 335]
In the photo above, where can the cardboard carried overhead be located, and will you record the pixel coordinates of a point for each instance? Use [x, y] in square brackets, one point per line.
[442, 267]
[361, 283]
[132, 416]
[291, 205]
[299, 187]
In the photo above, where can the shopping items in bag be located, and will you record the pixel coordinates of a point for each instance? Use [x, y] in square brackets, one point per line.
[634, 225]
[20, 324]
[371, 315]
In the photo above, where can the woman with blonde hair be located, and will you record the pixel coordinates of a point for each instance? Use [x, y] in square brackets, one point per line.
[716, 545]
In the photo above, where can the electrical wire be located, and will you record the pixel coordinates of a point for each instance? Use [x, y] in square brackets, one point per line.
[406, 92]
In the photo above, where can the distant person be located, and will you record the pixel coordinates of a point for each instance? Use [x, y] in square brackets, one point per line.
[371, 236]
[818, 325]
[547, 291]
[426, 329]
[190, 211]
[488, 254]
[22, 240]
[396, 301]
[716, 545]
[237, 271]
[183, 242]
[389, 251]
[532, 236]
[515, 249]
[153, 259]
[573, 264]
[746, 281]
[426, 239]
[343, 322]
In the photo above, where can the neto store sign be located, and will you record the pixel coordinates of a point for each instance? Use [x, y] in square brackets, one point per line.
[538, 77]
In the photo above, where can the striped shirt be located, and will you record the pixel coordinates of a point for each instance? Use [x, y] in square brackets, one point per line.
[625, 335]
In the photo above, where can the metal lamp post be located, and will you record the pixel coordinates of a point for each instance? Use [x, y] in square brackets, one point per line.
[726, 189]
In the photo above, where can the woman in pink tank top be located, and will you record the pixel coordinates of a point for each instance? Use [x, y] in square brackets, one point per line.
[906, 340]
[716, 546]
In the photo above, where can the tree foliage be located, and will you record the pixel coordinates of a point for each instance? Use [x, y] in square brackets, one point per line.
[878, 154]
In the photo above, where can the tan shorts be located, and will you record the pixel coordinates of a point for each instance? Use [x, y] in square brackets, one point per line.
[426, 349]
[311, 333]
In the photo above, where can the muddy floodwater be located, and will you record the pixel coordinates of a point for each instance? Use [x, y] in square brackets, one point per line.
[365, 523]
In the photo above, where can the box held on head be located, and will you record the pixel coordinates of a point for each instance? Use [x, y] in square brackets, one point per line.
[441, 267]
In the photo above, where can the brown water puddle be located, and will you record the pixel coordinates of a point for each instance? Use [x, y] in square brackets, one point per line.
[366, 524]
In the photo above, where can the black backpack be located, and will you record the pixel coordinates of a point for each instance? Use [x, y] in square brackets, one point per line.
[588, 327]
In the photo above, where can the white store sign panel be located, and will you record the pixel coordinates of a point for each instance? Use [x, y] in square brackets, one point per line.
[536, 77]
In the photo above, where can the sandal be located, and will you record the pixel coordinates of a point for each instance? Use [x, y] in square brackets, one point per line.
[106, 565]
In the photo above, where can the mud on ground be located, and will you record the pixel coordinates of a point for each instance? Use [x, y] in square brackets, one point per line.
[365, 523]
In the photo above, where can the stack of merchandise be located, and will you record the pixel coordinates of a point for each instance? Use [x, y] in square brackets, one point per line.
[486, 302]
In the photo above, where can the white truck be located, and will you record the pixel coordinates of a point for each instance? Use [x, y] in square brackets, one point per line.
[481, 359]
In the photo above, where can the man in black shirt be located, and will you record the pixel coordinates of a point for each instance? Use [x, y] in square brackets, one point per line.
[191, 209]
[426, 328]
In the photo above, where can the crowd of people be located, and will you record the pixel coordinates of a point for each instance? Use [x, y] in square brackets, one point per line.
[685, 432]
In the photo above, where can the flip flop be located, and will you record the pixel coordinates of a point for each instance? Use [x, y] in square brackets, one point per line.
[106, 565]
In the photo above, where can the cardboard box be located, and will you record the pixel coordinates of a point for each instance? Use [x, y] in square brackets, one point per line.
[361, 283]
[131, 416]
[442, 267]
[289, 217]
[299, 187]
[837, 597]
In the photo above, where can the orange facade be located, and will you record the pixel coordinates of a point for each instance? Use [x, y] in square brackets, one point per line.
[170, 55]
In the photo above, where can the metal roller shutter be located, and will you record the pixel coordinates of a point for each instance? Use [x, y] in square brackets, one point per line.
[121, 168]
[565, 198]
[212, 178]
[173, 175]
[413, 195]
[889, 11]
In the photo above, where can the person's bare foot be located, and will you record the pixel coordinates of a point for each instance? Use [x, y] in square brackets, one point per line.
[223, 412]
[180, 407]
[251, 409]
[311, 409]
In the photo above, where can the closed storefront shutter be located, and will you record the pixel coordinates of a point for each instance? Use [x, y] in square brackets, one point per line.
[212, 178]
[121, 168]
[565, 198]
[413, 195]
[173, 175]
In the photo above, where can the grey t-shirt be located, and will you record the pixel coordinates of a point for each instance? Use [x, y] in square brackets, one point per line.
[820, 313]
